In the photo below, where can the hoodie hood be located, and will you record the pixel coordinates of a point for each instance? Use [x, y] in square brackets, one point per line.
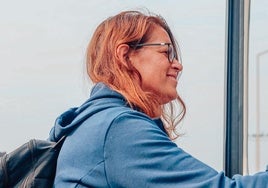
[72, 118]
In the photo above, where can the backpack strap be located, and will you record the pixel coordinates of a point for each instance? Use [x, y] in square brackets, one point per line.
[4, 167]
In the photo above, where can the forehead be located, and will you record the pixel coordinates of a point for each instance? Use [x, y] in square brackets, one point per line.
[159, 34]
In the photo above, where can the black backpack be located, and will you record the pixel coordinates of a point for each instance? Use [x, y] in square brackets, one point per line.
[32, 165]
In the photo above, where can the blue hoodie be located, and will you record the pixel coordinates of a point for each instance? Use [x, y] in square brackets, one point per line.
[111, 145]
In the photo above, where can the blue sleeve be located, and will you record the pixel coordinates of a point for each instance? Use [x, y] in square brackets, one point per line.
[139, 154]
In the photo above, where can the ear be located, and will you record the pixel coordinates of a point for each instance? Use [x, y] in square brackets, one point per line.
[122, 54]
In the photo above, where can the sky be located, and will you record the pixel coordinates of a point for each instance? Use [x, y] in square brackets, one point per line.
[42, 56]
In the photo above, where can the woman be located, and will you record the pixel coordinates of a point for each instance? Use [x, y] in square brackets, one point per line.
[122, 135]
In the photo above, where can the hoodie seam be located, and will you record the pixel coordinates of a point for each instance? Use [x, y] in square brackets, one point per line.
[107, 131]
[104, 145]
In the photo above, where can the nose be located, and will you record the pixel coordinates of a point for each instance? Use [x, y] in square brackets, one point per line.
[176, 64]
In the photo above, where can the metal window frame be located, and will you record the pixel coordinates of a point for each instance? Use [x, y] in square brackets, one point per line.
[236, 88]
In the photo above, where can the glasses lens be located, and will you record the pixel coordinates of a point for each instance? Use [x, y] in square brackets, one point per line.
[171, 53]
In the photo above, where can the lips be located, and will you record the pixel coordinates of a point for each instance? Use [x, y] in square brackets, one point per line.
[174, 75]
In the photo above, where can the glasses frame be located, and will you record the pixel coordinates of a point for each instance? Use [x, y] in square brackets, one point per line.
[171, 52]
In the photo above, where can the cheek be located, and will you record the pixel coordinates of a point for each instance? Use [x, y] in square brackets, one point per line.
[152, 72]
[153, 80]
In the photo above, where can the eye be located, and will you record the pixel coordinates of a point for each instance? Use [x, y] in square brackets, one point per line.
[165, 52]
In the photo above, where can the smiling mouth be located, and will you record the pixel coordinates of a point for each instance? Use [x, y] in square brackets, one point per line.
[173, 76]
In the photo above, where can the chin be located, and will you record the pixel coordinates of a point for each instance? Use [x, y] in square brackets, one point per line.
[169, 98]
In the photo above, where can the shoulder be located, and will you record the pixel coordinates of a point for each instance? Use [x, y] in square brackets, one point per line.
[132, 129]
[134, 121]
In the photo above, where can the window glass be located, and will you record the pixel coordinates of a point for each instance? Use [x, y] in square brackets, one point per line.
[258, 88]
[42, 53]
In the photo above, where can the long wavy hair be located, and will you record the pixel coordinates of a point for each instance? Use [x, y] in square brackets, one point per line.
[130, 27]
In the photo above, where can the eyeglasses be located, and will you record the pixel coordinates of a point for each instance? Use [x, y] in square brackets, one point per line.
[171, 52]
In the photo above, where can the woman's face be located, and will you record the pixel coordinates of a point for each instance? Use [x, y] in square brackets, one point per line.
[158, 74]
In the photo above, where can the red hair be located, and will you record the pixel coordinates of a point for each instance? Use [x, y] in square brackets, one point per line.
[129, 27]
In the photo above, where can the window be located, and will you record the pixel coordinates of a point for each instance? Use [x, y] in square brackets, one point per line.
[258, 89]
[43, 52]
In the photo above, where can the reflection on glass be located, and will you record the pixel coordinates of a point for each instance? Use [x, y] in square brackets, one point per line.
[258, 109]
